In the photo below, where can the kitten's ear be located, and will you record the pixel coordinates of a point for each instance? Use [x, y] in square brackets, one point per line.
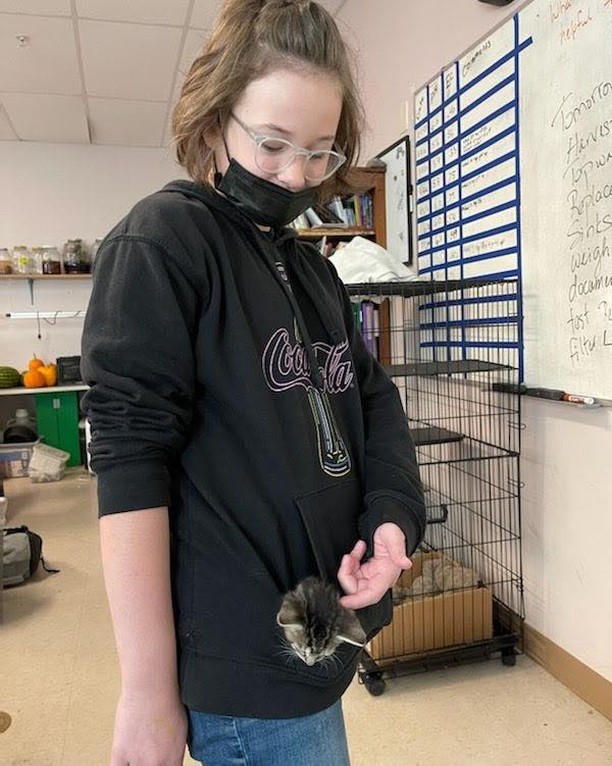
[288, 616]
[351, 631]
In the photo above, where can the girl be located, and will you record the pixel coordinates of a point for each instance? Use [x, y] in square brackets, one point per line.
[243, 436]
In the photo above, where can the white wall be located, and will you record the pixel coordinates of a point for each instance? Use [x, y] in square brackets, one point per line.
[400, 45]
[54, 192]
[567, 524]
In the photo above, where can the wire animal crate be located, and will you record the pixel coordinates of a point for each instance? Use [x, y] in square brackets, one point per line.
[453, 348]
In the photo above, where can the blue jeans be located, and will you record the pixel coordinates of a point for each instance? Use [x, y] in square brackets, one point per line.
[312, 740]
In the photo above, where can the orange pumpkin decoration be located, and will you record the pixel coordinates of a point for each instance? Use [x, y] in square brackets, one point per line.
[35, 363]
[49, 372]
[34, 379]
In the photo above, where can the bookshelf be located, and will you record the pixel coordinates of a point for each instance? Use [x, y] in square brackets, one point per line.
[365, 180]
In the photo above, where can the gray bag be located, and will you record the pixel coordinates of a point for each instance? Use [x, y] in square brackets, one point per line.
[21, 555]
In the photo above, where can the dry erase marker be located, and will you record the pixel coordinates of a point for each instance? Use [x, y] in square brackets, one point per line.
[546, 393]
[510, 388]
[588, 400]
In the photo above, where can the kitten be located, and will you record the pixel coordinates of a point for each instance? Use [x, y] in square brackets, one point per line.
[314, 622]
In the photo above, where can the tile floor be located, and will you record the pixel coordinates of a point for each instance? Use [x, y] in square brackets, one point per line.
[59, 677]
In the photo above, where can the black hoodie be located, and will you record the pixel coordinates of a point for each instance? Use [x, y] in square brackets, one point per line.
[229, 383]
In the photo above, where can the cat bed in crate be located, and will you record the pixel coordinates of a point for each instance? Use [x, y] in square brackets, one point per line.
[438, 604]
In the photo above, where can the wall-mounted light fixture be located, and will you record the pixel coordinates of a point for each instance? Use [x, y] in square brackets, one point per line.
[45, 314]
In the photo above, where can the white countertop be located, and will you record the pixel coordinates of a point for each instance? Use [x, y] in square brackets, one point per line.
[23, 391]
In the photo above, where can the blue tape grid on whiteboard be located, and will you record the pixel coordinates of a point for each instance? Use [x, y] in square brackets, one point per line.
[425, 256]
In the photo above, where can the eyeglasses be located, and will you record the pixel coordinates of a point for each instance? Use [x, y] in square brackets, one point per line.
[273, 155]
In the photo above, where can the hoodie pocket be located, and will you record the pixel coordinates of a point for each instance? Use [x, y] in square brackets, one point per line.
[330, 518]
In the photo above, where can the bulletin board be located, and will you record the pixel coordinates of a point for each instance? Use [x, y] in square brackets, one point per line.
[513, 177]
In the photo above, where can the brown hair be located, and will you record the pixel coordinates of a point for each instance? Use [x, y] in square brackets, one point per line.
[249, 39]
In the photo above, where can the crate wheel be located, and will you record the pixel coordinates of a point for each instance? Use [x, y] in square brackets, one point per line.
[508, 659]
[374, 684]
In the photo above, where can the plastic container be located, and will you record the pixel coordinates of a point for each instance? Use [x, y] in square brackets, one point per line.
[15, 459]
[22, 418]
[47, 463]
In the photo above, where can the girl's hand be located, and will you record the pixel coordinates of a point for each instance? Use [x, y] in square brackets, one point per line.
[150, 730]
[366, 583]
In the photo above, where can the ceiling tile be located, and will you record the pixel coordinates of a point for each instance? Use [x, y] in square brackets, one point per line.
[36, 7]
[126, 123]
[6, 131]
[203, 14]
[141, 11]
[47, 64]
[194, 42]
[47, 118]
[204, 11]
[129, 60]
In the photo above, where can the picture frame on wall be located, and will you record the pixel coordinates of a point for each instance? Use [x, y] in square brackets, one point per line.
[398, 199]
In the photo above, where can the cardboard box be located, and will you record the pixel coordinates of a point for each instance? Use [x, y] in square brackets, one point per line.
[425, 623]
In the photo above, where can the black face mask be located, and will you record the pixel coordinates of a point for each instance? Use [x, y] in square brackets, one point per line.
[265, 203]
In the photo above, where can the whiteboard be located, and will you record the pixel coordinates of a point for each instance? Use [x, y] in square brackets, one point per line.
[397, 199]
[513, 175]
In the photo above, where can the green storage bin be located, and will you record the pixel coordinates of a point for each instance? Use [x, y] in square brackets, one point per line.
[57, 421]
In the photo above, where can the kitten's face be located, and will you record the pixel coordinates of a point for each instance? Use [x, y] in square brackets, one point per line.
[315, 624]
[311, 644]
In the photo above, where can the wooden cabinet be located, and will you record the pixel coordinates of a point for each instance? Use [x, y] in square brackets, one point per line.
[57, 421]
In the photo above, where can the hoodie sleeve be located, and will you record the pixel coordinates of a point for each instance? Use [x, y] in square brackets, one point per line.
[138, 361]
[393, 489]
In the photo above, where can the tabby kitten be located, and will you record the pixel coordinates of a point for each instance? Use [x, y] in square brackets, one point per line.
[314, 622]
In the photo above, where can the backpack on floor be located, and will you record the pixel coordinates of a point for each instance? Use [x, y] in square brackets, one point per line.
[21, 555]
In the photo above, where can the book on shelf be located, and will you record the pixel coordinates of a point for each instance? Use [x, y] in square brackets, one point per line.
[384, 337]
[313, 217]
[353, 211]
[384, 323]
[368, 326]
[335, 204]
[381, 323]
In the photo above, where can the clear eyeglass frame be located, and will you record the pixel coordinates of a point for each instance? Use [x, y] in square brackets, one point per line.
[273, 155]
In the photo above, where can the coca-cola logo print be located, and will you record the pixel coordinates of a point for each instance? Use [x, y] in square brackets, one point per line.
[285, 364]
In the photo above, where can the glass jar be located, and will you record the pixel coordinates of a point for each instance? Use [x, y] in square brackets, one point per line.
[72, 256]
[6, 262]
[36, 260]
[76, 260]
[51, 260]
[22, 263]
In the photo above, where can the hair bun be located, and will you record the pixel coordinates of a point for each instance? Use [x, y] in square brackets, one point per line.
[286, 3]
